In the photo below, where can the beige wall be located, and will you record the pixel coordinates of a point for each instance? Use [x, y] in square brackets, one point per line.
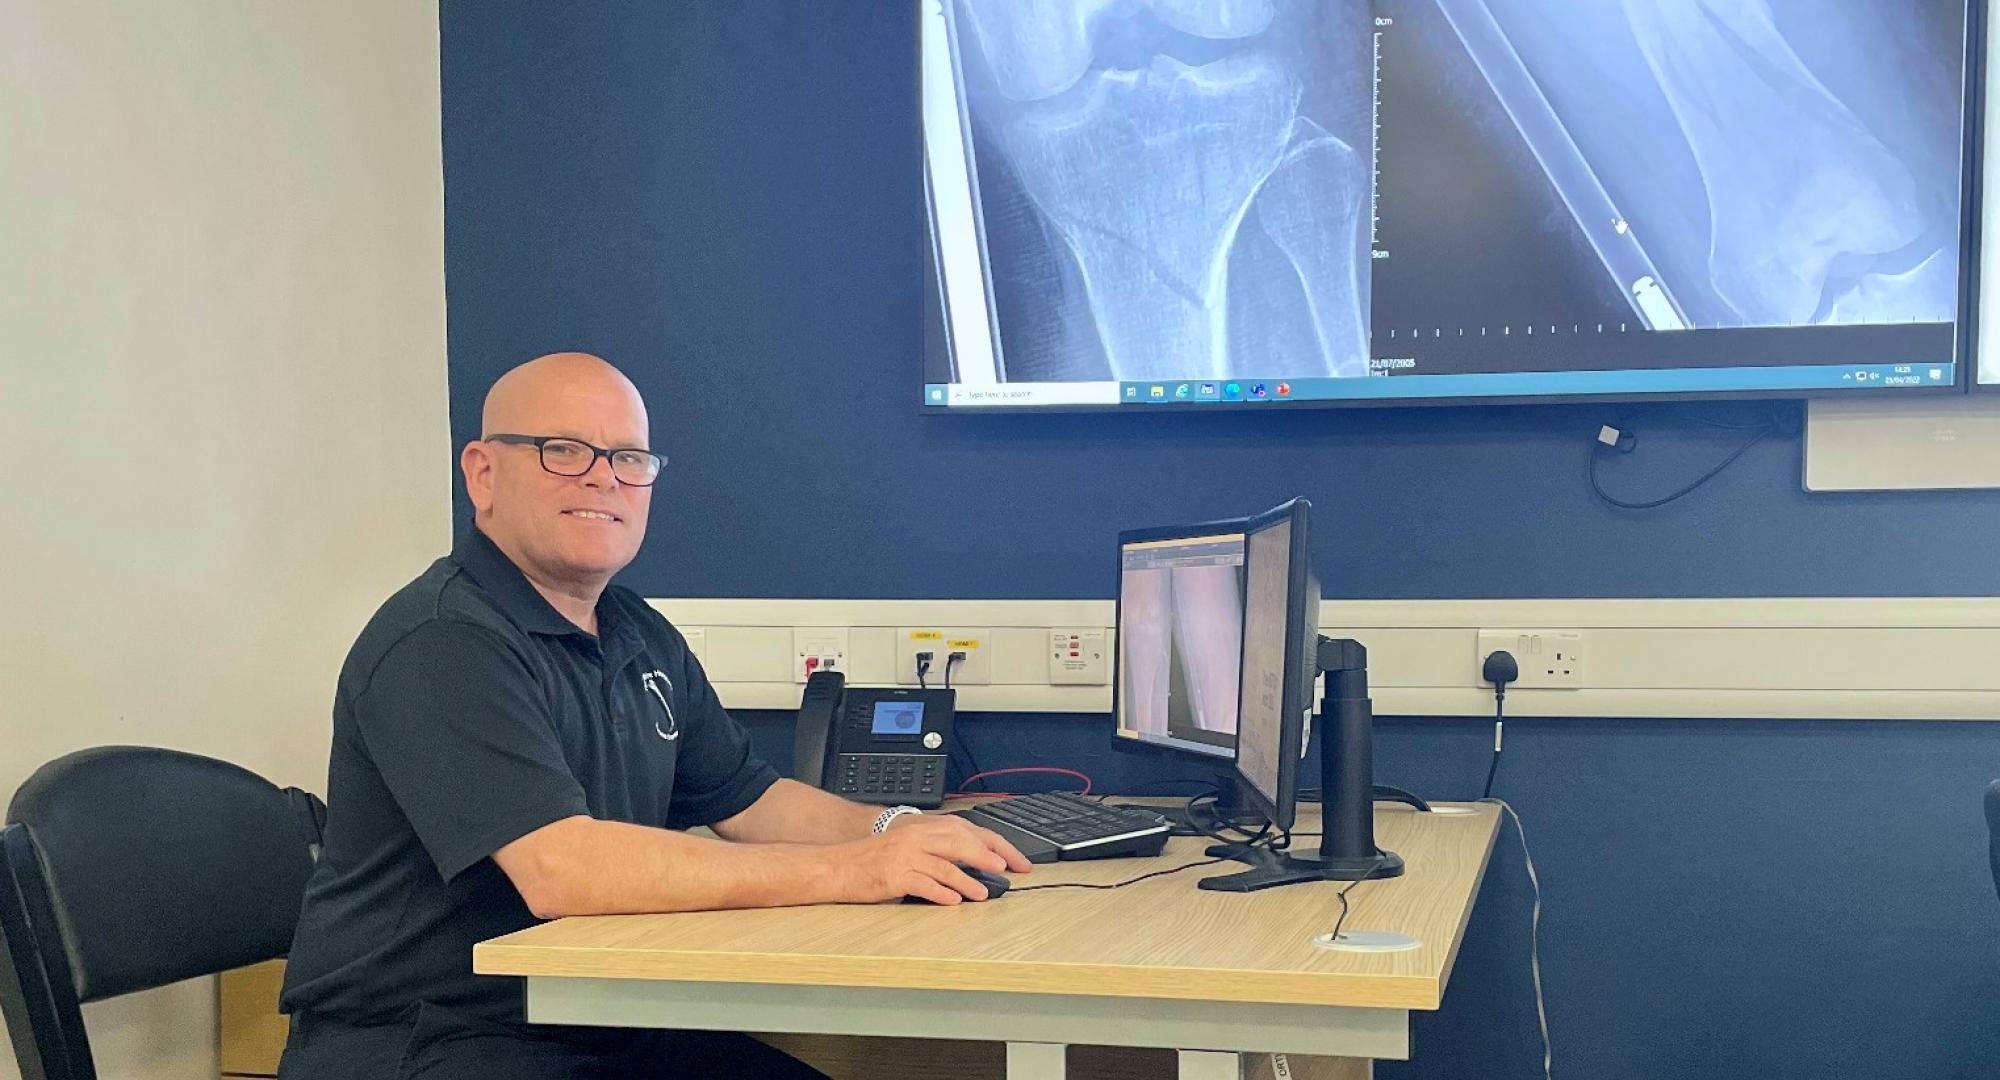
[222, 386]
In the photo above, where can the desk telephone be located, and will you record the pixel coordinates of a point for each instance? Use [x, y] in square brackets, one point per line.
[886, 746]
[890, 746]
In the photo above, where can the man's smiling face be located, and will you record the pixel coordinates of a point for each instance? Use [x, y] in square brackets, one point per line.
[561, 530]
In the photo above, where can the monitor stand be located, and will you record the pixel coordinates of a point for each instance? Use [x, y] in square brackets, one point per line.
[1347, 850]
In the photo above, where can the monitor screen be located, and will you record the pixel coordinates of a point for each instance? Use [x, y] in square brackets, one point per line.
[1160, 204]
[1179, 640]
[1261, 714]
[1280, 657]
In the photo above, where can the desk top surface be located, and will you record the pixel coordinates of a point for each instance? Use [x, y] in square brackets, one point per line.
[1160, 938]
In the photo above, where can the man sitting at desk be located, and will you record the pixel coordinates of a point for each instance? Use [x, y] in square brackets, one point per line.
[513, 741]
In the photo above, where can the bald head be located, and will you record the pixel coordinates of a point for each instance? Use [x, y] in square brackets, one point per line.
[568, 534]
[531, 391]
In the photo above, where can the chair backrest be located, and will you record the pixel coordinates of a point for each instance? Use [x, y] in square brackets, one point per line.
[124, 868]
[1993, 829]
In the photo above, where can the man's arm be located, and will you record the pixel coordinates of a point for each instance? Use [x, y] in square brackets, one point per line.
[582, 866]
[793, 813]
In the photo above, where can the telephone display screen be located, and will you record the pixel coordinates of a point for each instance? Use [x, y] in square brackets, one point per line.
[898, 718]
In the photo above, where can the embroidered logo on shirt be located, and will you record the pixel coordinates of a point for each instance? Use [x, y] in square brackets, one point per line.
[654, 681]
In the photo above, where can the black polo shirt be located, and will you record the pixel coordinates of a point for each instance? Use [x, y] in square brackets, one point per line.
[468, 714]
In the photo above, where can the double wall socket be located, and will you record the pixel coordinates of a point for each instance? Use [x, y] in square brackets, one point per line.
[941, 641]
[818, 648]
[1549, 659]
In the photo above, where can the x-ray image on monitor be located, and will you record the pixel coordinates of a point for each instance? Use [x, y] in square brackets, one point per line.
[1257, 202]
[1167, 189]
[1608, 167]
[1180, 642]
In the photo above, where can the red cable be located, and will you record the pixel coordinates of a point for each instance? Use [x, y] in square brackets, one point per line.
[1024, 769]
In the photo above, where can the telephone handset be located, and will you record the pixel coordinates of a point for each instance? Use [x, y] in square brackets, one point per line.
[873, 745]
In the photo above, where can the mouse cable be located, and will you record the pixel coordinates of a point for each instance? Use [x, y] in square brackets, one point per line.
[1534, 935]
[1115, 884]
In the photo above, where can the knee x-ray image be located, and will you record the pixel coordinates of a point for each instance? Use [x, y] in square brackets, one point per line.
[1170, 188]
[1206, 189]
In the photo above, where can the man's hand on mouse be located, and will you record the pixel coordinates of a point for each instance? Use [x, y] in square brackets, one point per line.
[914, 856]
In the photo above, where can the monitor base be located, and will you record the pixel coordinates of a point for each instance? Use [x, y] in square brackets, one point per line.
[1270, 869]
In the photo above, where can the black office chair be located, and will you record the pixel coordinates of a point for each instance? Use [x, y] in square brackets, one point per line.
[123, 868]
[1993, 828]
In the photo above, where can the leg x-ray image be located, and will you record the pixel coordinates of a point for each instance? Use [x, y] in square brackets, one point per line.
[1140, 190]
[1170, 188]
[1811, 216]
[1181, 648]
[1674, 164]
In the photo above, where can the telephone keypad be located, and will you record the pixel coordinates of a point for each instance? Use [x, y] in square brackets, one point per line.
[892, 778]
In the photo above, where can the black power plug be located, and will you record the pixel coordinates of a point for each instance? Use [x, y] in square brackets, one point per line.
[1499, 669]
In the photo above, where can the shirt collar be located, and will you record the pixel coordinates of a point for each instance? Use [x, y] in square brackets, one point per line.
[617, 634]
[510, 589]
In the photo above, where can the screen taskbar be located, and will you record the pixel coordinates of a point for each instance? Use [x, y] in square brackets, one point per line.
[1418, 387]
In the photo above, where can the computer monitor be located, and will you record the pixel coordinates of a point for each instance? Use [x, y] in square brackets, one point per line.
[1179, 638]
[1283, 656]
[1280, 662]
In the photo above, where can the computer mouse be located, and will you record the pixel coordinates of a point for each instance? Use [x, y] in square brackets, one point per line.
[996, 885]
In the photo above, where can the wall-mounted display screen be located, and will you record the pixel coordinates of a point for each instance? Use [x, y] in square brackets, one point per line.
[1187, 202]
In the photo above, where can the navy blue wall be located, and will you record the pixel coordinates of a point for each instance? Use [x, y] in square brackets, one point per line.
[724, 199]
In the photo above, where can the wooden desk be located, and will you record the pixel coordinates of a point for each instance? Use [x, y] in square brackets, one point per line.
[1157, 964]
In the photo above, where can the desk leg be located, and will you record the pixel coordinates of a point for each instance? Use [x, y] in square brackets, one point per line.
[1210, 1065]
[1037, 1061]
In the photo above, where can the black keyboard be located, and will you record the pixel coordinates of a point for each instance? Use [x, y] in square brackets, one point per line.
[1058, 825]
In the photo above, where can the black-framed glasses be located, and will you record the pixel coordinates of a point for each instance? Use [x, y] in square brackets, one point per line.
[574, 457]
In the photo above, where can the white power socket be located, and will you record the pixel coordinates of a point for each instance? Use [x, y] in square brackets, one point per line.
[941, 641]
[1079, 657]
[818, 648]
[1549, 659]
